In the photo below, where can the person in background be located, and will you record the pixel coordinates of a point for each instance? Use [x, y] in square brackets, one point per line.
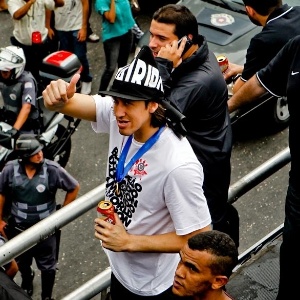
[194, 84]
[280, 23]
[30, 32]
[153, 179]
[91, 36]
[18, 91]
[206, 263]
[281, 77]
[70, 22]
[29, 186]
[136, 30]
[117, 36]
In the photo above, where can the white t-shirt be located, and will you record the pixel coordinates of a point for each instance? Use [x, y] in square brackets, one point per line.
[162, 193]
[69, 16]
[34, 20]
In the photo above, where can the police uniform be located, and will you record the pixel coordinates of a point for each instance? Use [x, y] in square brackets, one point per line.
[31, 201]
[14, 94]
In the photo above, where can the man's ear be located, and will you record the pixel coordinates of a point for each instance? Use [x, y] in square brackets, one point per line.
[219, 282]
[250, 11]
[152, 106]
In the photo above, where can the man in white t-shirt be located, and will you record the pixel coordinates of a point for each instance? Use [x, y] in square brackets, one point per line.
[71, 23]
[152, 178]
[30, 32]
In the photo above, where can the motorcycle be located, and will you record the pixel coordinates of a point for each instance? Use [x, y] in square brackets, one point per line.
[56, 128]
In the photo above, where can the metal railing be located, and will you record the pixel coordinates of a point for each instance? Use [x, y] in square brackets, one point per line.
[65, 215]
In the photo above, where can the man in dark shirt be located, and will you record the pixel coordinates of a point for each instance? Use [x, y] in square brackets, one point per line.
[193, 82]
[280, 23]
[281, 77]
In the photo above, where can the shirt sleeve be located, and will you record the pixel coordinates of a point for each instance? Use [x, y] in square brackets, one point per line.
[274, 77]
[101, 6]
[59, 178]
[49, 4]
[254, 59]
[13, 6]
[5, 179]
[104, 114]
[185, 199]
[29, 91]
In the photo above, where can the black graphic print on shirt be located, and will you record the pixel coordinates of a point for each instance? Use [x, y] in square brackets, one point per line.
[126, 201]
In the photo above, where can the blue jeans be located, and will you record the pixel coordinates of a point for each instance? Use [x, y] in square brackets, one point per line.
[289, 250]
[116, 51]
[69, 42]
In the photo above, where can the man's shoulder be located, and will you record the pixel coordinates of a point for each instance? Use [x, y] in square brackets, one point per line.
[52, 163]
[11, 163]
[26, 76]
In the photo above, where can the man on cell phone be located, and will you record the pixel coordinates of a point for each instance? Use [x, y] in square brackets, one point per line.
[194, 83]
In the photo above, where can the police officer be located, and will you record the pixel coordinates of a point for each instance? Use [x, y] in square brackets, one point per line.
[29, 185]
[18, 90]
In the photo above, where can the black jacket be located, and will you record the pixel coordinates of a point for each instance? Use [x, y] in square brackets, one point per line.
[9, 290]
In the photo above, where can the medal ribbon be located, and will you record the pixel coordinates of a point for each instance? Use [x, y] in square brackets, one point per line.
[121, 171]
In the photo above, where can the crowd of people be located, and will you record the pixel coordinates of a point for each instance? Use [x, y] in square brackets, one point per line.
[174, 235]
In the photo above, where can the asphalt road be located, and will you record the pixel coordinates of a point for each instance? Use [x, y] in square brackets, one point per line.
[81, 256]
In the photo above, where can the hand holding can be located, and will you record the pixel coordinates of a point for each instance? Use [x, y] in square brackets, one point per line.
[223, 62]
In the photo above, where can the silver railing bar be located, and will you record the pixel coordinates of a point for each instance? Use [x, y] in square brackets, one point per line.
[46, 227]
[258, 175]
[96, 285]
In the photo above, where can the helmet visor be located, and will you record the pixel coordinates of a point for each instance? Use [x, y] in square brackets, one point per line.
[9, 56]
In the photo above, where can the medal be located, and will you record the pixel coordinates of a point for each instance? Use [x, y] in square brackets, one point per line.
[117, 189]
[122, 170]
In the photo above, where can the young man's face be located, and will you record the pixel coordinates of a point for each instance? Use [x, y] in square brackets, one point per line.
[37, 158]
[193, 275]
[161, 34]
[134, 117]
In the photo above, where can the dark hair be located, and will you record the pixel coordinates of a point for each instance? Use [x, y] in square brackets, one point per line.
[158, 118]
[221, 246]
[179, 15]
[263, 7]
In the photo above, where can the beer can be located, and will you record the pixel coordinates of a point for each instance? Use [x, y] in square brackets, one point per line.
[223, 62]
[105, 211]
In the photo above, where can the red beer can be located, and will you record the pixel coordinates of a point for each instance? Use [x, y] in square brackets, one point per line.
[223, 62]
[105, 211]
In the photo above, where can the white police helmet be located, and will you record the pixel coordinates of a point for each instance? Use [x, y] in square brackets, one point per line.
[12, 58]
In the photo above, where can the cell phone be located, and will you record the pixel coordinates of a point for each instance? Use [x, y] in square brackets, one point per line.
[187, 46]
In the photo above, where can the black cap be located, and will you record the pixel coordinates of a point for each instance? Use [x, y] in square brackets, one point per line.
[28, 145]
[140, 80]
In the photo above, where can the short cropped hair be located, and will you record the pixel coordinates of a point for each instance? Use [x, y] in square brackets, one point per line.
[179, 15]
[220, 246]
[263, 7]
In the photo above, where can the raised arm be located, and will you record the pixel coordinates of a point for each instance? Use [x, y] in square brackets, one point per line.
[61, 96]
